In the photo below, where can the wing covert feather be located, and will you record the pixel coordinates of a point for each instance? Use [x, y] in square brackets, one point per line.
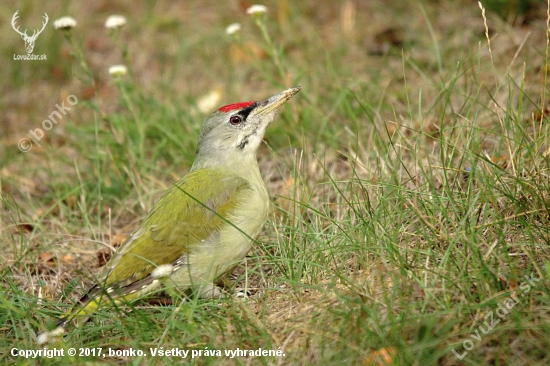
[181, 219]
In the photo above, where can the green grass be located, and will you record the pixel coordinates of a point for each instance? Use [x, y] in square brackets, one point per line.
[409, 182]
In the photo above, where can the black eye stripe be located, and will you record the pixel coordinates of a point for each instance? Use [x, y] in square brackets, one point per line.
[246, 111]
[242, 115]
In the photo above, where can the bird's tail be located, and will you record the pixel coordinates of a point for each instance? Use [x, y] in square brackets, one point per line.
[79, 314]
[96, 297]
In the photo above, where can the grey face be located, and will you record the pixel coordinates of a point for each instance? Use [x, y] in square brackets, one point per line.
[240, 127]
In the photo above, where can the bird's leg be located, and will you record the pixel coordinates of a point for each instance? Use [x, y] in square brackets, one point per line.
[205, 289]
[210, 291]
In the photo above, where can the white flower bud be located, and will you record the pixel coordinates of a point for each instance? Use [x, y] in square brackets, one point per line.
[256, 10]
[65, 23]
[233, 28]
[162, 271]
[117, 70]
[115, 21]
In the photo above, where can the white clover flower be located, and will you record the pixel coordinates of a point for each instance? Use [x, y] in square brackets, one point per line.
[117, 70]
[162, 271]
[256, 10]
[47, 336]
[233, 28]
[65, 23]
[115, 21]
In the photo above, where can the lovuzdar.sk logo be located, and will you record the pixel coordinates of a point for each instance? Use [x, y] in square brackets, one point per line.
[29, 40]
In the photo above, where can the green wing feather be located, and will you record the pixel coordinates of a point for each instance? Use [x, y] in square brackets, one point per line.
[185, 215]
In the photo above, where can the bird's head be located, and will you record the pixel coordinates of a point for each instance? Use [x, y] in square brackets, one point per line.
[235, 131]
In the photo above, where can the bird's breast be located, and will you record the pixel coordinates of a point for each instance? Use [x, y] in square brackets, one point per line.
[225, 249]
[245, 224]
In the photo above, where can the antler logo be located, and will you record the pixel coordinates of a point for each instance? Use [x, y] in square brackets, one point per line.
[29, 40]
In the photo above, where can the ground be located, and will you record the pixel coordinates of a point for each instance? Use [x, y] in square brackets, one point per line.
[409, 177]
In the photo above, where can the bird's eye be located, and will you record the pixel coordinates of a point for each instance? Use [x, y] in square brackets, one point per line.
[235, 120]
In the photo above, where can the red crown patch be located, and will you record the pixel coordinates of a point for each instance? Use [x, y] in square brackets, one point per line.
[230, 107]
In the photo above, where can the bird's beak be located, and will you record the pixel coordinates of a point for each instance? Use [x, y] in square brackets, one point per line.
[272, 105]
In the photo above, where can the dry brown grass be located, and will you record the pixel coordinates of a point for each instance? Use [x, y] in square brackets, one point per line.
[381, 133]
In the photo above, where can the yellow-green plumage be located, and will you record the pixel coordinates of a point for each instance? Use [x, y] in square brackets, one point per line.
[191, 220]
[184, 218]
[204, 225]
